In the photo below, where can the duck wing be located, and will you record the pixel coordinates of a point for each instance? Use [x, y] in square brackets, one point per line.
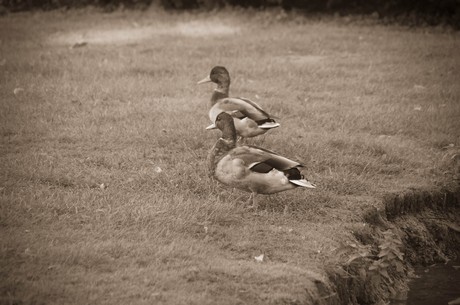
[262, 160]
[242, 107]
[272, 160]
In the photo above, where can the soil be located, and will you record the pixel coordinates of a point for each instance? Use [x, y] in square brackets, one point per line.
[426, 223]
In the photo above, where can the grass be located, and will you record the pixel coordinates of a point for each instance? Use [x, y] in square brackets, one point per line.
[103, 186]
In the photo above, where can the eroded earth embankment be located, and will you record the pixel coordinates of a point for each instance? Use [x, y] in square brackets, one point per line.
[416, 227]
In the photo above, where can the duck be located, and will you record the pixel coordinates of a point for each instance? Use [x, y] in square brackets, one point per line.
[249, 118]
[250, 168]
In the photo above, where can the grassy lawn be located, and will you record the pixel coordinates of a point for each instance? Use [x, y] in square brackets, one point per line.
[104, 195]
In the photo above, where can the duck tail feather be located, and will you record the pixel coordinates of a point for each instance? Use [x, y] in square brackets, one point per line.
[303, 183]
[269, 125]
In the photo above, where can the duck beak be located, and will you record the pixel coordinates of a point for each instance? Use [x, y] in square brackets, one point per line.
[212, 126]
[207, 79]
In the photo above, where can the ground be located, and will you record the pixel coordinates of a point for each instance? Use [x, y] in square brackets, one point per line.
[105, 197]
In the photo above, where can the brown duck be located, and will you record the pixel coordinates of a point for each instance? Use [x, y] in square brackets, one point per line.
[250, 168]
[249, 118]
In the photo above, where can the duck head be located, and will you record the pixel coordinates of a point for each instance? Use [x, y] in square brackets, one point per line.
[224, 122]
[218, 75]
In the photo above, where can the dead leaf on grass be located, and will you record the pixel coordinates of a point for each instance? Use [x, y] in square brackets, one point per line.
[259, 258]
[17, 91]
[79, 45]
[419, 87]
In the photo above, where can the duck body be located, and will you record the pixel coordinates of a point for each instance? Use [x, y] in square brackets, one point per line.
[255, 170]
[251, 168]
[249, 118]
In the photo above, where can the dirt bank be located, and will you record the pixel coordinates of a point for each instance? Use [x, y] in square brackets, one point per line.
[416, 227]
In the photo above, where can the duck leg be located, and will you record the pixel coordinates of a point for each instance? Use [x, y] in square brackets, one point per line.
[240, 200]
[241, 140]
[252, 201]
[249, 202]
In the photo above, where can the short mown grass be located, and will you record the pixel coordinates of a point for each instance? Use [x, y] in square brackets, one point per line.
[104, 194]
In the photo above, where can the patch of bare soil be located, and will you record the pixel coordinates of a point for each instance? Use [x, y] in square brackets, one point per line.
[301, 59]
[140, 33]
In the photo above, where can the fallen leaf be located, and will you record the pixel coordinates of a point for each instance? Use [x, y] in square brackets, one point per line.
[259, 258]
[16, 91]
[102, 186]
[79, 44]
[158, 169]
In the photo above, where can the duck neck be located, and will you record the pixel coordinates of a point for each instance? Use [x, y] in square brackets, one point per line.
[220, 149]
[226, 144]
[229, 133]
[219, 93]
